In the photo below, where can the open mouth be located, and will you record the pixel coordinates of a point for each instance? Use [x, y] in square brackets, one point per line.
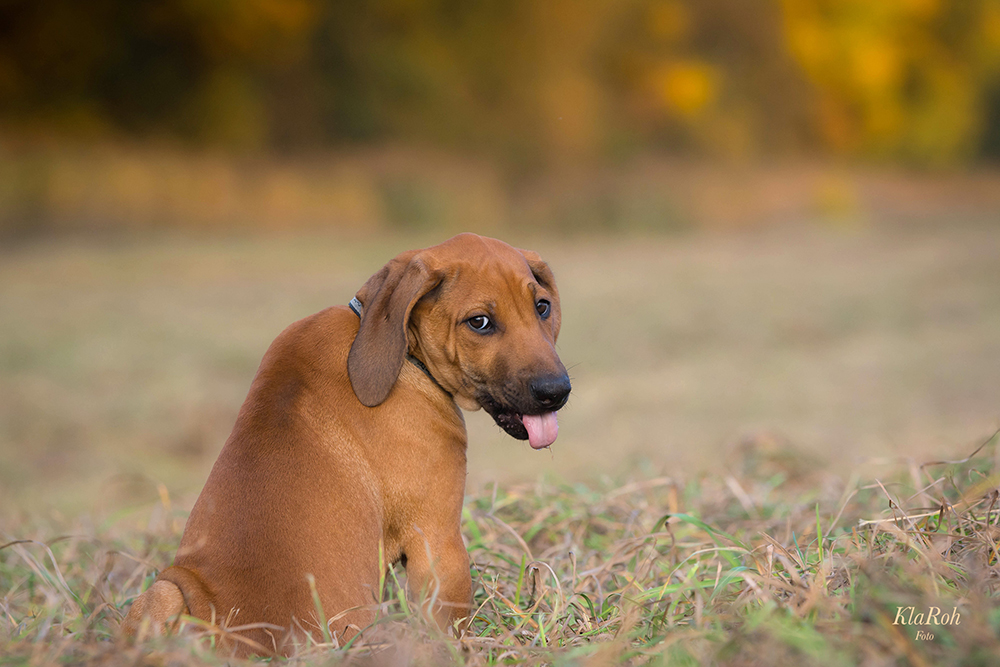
[540, 430]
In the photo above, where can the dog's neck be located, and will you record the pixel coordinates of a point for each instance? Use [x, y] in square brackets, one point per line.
[358, 308]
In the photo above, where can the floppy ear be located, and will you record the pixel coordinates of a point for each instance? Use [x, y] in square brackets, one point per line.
[379, 348]
[543, 274]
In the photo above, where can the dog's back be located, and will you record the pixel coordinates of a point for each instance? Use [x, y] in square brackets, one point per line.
[294, 490]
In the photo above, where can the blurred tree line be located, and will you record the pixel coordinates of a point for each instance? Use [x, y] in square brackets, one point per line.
[528, 81]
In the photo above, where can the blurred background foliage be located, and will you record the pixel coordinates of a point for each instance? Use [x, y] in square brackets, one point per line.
[521, 80]
[516, 87]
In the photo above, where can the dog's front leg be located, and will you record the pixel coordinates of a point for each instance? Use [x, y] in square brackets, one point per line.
[437, 575]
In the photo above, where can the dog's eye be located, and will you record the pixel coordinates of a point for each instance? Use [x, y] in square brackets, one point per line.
[544, 309]
[480, 324]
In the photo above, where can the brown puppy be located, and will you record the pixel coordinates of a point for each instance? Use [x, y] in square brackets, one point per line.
[349, 451]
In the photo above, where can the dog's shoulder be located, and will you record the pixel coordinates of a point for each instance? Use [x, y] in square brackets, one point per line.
[311, 352]
[328, 332]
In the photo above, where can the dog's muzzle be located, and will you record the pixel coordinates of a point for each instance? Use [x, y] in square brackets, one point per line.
[534, 419]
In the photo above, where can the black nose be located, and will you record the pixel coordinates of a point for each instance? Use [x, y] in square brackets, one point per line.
[551, 392]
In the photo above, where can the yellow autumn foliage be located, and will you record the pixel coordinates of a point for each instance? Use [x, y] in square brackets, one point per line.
[686, 87]
[900, 78]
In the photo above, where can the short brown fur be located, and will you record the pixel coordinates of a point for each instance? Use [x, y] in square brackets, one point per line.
[344, 448]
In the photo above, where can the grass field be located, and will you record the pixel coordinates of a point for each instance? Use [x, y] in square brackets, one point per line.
[778, 563]
[741, 401]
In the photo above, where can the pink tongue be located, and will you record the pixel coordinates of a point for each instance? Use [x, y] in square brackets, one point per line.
[542, 429]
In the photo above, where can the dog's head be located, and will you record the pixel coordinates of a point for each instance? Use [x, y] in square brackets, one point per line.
[482, 317]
